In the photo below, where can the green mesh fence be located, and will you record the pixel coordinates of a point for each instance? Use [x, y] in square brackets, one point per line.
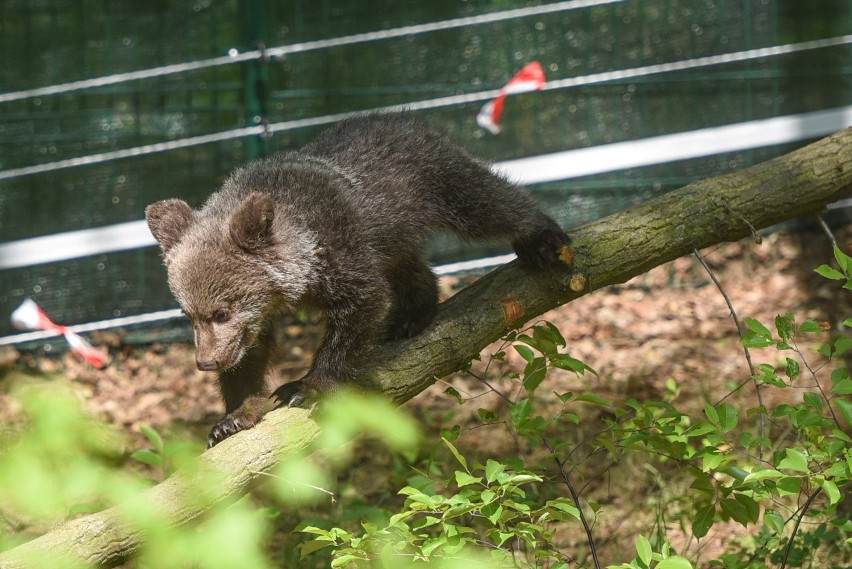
[50, 42]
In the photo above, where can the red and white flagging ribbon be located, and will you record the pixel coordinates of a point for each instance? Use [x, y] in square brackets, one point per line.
[29, 316]
[529, 78]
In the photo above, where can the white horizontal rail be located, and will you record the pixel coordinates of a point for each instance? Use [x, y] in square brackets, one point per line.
[672, 147]
[478, 96]
[171, 314]
[533, 170]
[236, 57]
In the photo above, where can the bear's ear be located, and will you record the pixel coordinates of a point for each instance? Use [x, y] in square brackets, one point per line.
[168, 220]
[251, 222]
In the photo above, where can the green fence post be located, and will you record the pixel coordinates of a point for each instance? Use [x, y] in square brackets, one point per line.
[255, 76]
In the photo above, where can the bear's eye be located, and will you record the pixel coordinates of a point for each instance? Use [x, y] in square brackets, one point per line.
[221, 315]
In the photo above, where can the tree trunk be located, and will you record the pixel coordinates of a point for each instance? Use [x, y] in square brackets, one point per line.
[608, 251]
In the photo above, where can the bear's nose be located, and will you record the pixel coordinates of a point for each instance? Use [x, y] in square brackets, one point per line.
[208, 365]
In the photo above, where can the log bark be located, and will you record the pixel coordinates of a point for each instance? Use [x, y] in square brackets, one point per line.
[608, 251]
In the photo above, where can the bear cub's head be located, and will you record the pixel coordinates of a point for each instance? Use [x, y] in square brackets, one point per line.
[221, 272]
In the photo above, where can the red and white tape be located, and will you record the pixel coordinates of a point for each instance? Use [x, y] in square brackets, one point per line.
[29, 316]
[529, 78]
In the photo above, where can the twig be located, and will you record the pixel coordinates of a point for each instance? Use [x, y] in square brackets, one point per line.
[505, 398]
[757, 238]
[796, 527]
[818, 385]
[827, 230]
[574, 496]
[740, 332]
[292, 484]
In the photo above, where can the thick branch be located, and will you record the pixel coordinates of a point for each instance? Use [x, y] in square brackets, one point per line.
[608, 251]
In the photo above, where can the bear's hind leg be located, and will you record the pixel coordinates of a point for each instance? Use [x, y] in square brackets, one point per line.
[415, 299]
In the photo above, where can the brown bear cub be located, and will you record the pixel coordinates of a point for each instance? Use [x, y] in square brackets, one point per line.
[339, 226]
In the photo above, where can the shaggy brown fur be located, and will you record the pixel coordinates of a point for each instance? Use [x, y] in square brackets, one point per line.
[339, 226]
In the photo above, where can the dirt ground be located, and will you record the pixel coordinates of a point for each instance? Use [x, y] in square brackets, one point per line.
[669, 324]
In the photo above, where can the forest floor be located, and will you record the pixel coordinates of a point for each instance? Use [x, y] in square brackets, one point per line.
[671, 324]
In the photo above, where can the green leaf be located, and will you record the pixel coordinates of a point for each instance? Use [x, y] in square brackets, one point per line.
[674, 562]
[148, 457]
[563, 361]
[453, 392]
[751, 507]
[736, 472]
[465, 479]
[486, 415]
[459, 510]
[768, 376]
[153, 437]
[524, 352]
[842, 344]
[843, 260]
[838, 469]
[735, 510]
[589, 398]
[784, 325]
[757, 327]
[546, 340]
[492, 511]
[503, 537]
[425, 522]
[774, 521]
[344, 560]
[812, 400]
[492, 469]
[758, 475]
[830, 489]
[456, 454]
[845, 407]
[523, 478]
[533, 342]
[711, 413]
[643, 549]
[700, 428]
[703, 521]
[711, 461]
[521, 412]
[810, 326]
[848, 322]
[702, 483]
[727, 417]
[793, 370]
[840, 381]
[829, 273]
[309, 547]
[752, 340]
[534, 373]
[314, 530]
[556, 334]
[563, 505]
[794, 460]
[790, 484]
[451, 434]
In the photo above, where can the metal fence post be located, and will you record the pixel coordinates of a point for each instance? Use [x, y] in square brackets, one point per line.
[255, 76]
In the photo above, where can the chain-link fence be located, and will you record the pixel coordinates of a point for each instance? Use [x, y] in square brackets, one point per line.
[262, 76]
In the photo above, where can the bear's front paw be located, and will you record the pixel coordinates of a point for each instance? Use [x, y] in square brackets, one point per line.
[547, 247]
[227, 426]
[296, 394]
